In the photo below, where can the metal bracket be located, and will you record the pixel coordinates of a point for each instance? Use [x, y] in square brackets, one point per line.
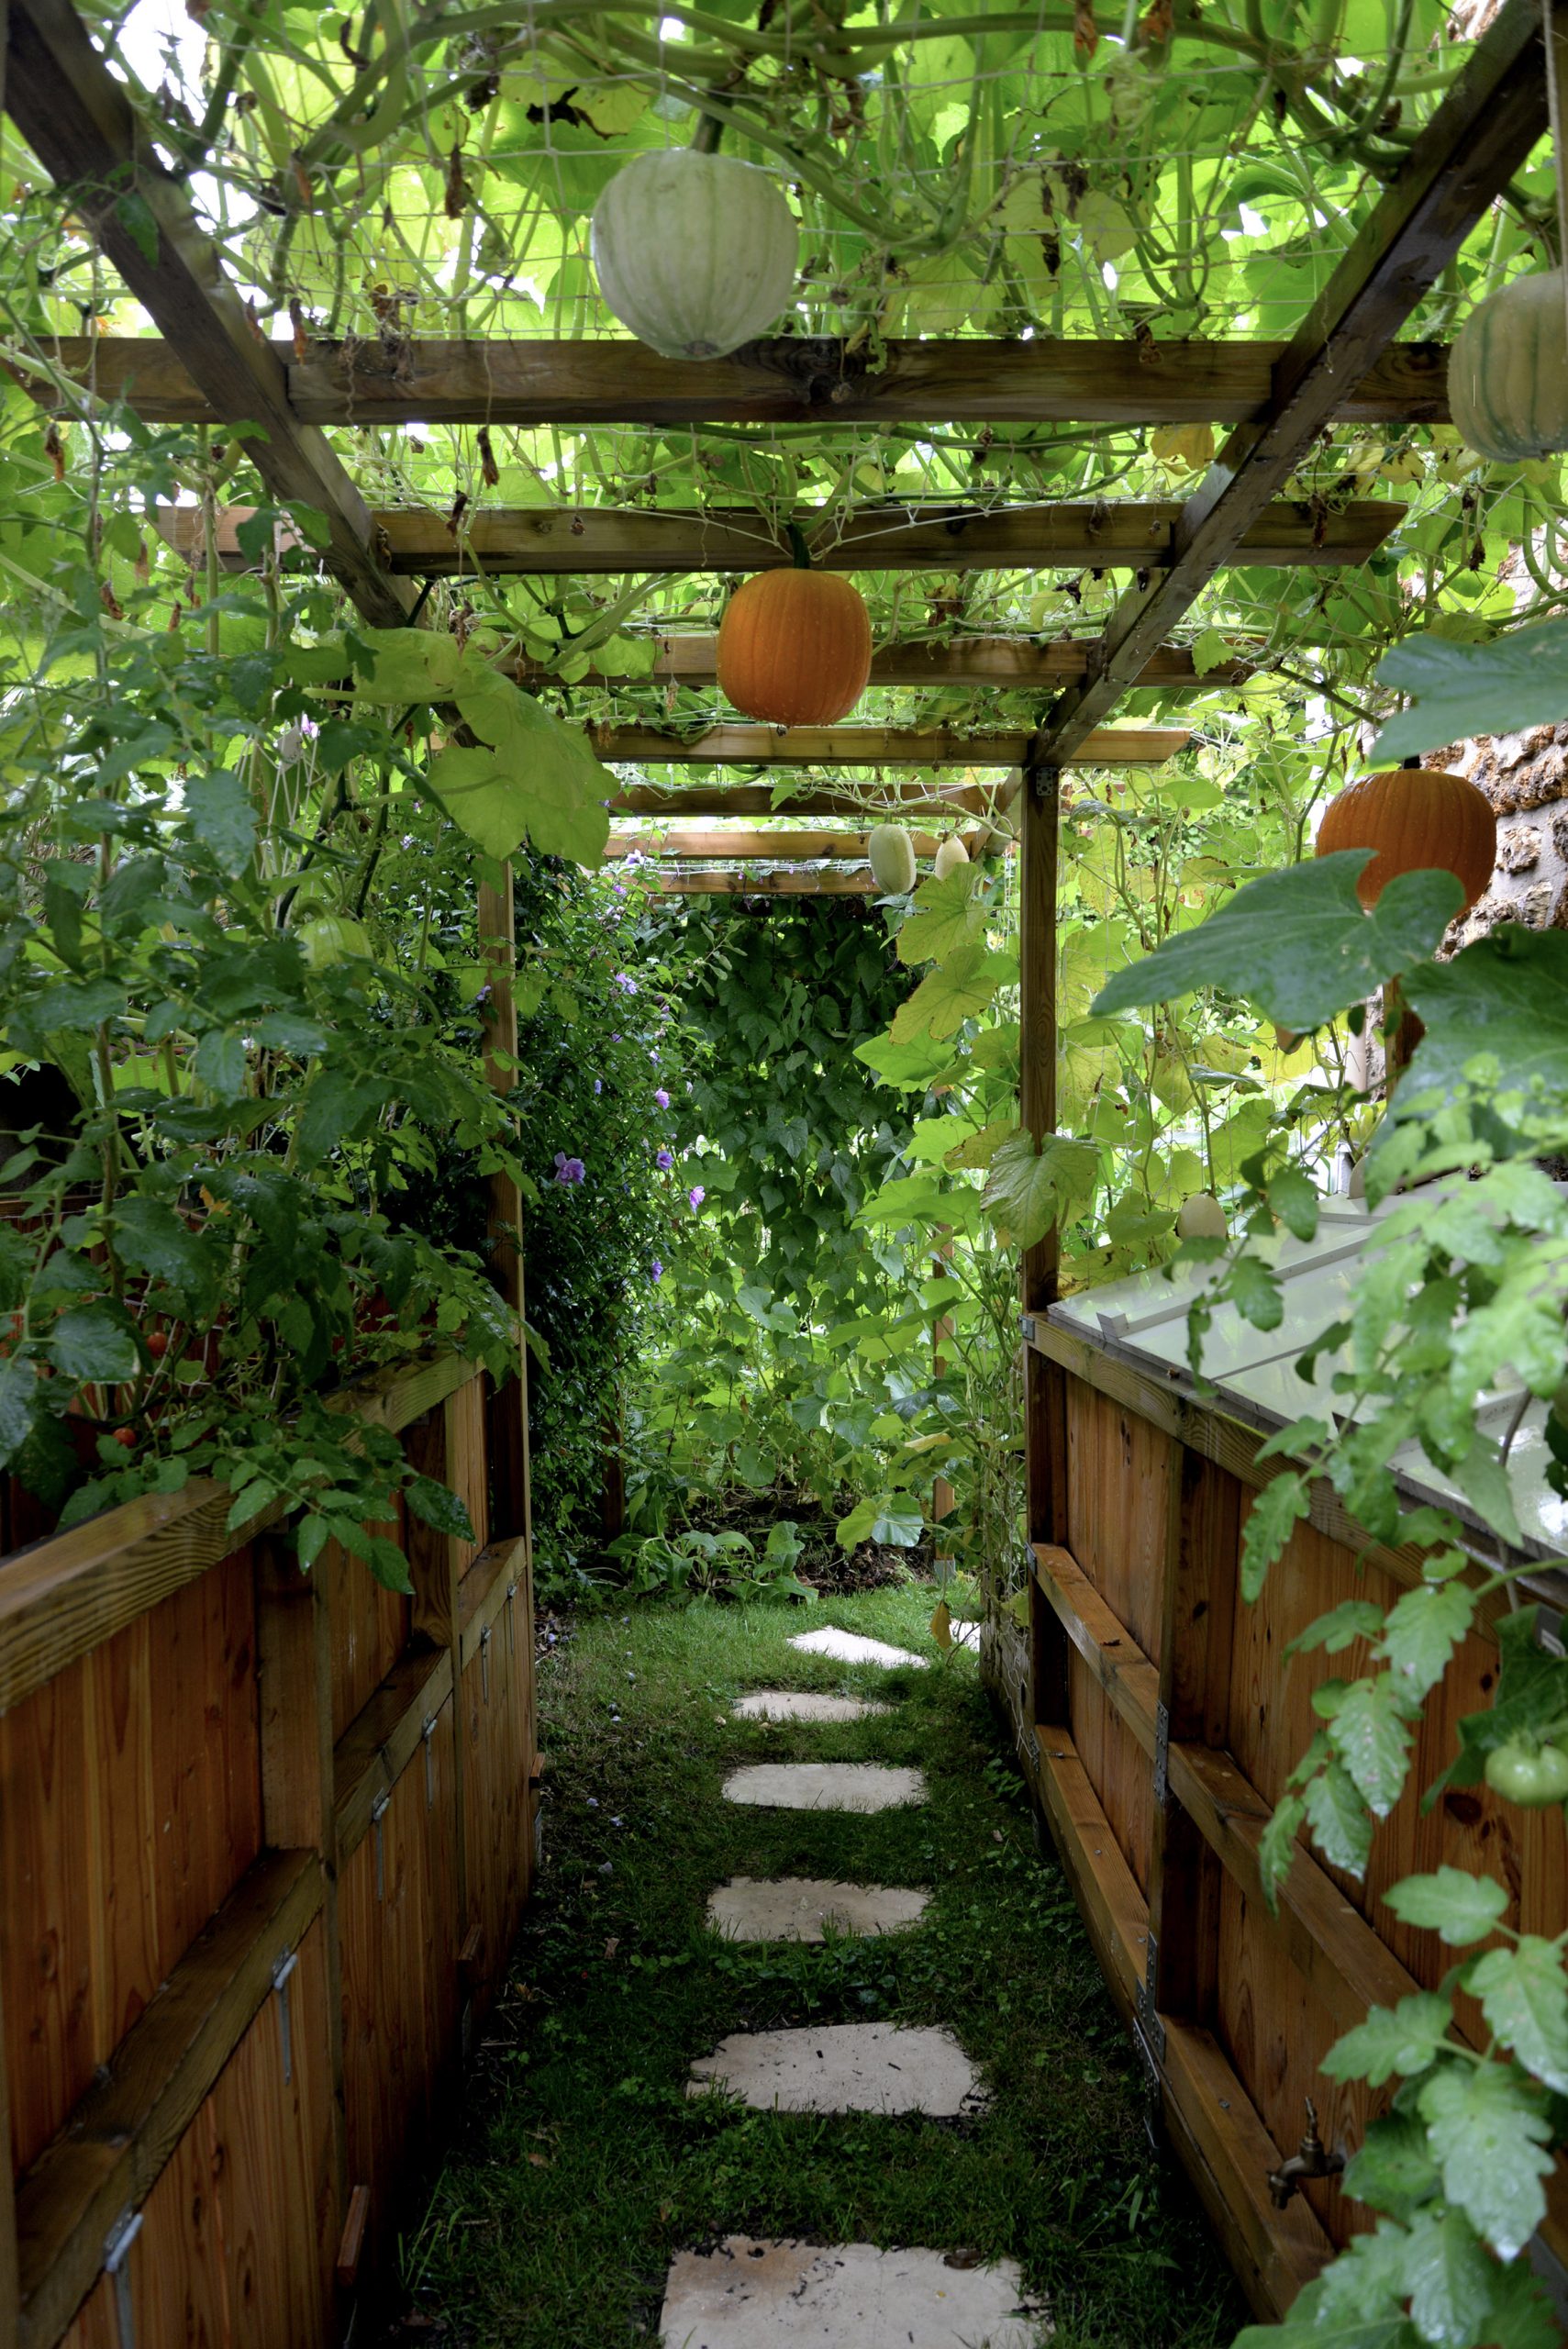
[511, 1620]
[379, 1809]
[121, 2236]
[428, 1731]
[1148, 2029]
[1151, 1971]
[484, 1638]
[1162, 1755]
[281, 1973]
[1025, 1328]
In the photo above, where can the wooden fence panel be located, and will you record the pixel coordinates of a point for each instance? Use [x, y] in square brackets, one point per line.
[1184, 1719]
[246, 1835]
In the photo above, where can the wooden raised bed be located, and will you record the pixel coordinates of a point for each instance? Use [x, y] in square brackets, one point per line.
[264, 1842]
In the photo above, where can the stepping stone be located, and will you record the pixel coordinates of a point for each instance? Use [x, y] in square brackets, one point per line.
[752, 2295]
[801, 1705]
[844, 2067]
[848, 1647]
[826, 1786]
[800, 1909]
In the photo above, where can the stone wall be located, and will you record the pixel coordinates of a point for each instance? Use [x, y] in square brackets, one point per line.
[1526, 778]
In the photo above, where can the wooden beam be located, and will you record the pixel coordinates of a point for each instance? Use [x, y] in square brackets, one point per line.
[784, 848]
[909, 802]
[1010, 662]
[1460, 162]
[726, 881]
[589, 540]
[870, 746]
[122, 2132]
[794, 379]
[78, 120]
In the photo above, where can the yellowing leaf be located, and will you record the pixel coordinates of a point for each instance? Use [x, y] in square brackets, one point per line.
[1106, 227]
[1189, 448]
[959, 989]
[945, 913]
[941, 1626]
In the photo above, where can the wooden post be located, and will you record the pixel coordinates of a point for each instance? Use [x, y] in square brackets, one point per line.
[942, 1330]
[294, 1670]
[1045, 1416]
[434, 1565]
[1197, 1623]
[508, 1414]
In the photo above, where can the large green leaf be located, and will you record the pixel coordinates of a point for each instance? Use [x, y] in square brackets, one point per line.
[1505, 997]
[1028, 1189]
[1298, 943]
[959, 989]
[1460, 690]
[1524, 1997]
[1458, 1907]
[945, 913]
[1405, 2039]
[1489, 2132]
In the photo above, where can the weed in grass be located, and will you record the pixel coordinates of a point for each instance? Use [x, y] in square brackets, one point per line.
[585, 2165]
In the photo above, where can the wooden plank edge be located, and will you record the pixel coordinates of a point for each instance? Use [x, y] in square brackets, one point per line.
[1115, 1912]
[1113, 1655]
[1229, 2153]
[486, 1587]
[65, 1595]
[383, 1739]
[116, 2142]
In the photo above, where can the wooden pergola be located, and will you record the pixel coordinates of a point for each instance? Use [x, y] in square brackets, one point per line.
[1343, 362]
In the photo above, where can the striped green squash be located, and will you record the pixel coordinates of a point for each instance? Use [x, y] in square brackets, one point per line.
[1507, 372]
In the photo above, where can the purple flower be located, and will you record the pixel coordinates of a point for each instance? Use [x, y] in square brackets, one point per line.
[627, 986]
[664, 1160]
[598, 1084]
[614, 1036]
[696, 1196]
[656, 1270]
[662, 1097]
[569, 1170]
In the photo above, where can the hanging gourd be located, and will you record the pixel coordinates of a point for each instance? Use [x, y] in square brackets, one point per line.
[950, 853]
[1202, 1217]
[891, 853]
[794, 646]
[1508, 371]
[694, 252]
[1415, 819]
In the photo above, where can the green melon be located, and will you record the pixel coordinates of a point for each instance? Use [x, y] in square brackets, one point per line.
[892, 855]
[1508, 371]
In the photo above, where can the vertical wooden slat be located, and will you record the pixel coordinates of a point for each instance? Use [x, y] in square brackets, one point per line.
[434, 1446]
[1196, 1625]
[509, 1407]
[10, 2284]
[1045, 1420]
[294, 1658]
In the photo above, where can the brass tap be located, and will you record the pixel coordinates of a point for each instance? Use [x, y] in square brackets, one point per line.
[1309, 2160]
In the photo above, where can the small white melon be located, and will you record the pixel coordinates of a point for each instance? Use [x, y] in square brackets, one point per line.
[949, 856]
[892, 854]
[1202, 1217]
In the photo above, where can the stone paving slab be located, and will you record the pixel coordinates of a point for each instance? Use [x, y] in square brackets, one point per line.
[850, 1647]
[826, 1786]
[805, 1705]
[844, 2067]
[752, 2295]
[801, 1909]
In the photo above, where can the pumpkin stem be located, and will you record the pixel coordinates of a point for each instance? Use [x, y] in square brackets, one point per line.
[797, 546]
[1410, 762]
[707, 134]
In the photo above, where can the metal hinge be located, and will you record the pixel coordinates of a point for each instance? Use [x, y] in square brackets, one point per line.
[281, 1973]
[428, 1731]
[1025, 1328]
[1148, 2030]
[121, 2236]
[1151, 1970]
[484, 1638]
[1162, 1755]
[379, 1809]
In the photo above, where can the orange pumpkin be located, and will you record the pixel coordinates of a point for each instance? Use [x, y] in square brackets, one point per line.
[794, 646]
[1416, 818]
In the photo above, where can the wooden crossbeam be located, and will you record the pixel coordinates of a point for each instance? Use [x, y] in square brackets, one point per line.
[872, 746]
[1124, 536]
[724, 881]
[790, 380]
[81, 125]
[1005, 661]
[786, 848]
[1460, 162]
[910, 803]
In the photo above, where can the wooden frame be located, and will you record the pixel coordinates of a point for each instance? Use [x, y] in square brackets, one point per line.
[870, 746]
[791, 380]
[1015, 663]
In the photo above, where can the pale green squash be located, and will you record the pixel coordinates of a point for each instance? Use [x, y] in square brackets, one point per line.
[1508, 371]
[696, 253]
[892, 855]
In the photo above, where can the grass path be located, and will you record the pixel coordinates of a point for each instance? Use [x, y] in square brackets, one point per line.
[585, 2166]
